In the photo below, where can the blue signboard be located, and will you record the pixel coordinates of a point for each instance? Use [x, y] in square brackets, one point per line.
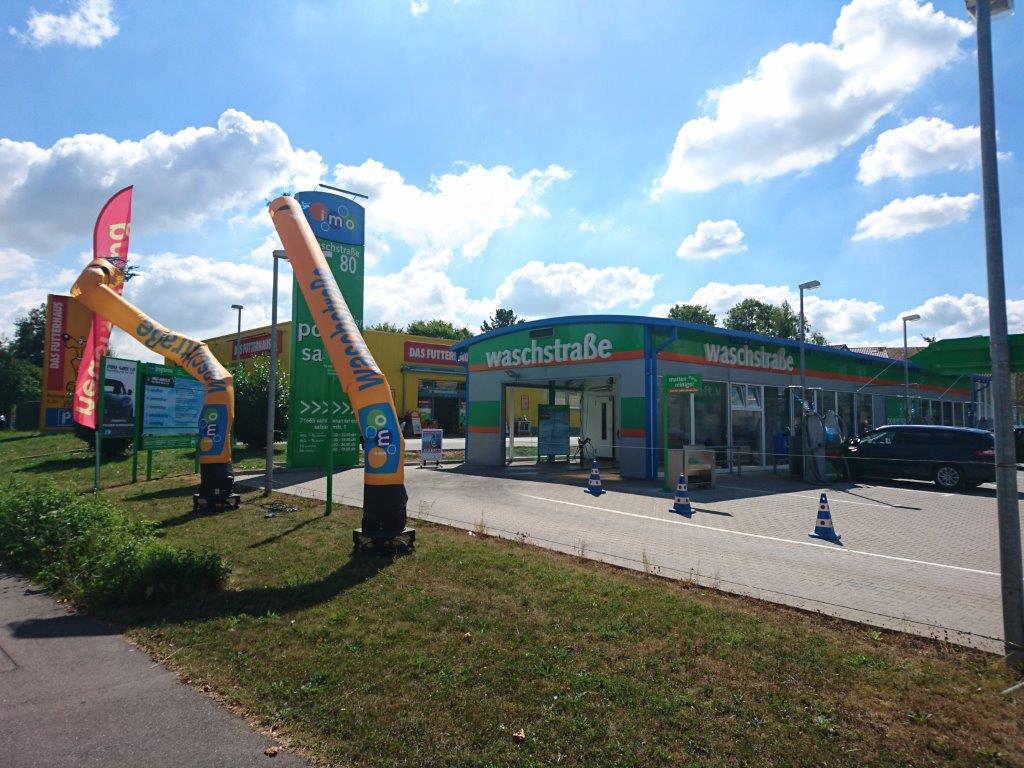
[552, 430]
[333, 217]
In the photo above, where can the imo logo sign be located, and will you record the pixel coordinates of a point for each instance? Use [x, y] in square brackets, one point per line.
[339, 218]
[381, 439]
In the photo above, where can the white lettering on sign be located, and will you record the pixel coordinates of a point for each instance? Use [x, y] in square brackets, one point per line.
[556, 351]
[723, 354]
[419, 352]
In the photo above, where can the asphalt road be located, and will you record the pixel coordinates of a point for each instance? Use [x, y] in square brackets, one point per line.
[911, 558]
[74, 694]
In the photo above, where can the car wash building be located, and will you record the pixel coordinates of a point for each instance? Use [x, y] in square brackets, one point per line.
[742, 389]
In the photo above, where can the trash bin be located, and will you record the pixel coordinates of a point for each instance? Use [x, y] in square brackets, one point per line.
[780, 449]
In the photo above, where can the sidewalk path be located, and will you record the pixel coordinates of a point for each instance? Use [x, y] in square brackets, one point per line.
[73, 693]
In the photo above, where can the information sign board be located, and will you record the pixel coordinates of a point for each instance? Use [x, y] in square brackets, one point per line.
[552, 430]
[119, 397]
[431, 444]
[171, 409]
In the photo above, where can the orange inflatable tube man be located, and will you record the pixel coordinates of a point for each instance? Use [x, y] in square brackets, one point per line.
[95, 289]
[384, 496]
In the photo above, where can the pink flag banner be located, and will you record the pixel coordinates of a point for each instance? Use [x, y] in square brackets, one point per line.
[110, 242]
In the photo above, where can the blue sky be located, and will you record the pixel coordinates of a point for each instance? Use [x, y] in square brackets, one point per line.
[558, 158]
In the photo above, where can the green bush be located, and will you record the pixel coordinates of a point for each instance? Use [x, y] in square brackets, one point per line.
[87, 549]
[252, 388]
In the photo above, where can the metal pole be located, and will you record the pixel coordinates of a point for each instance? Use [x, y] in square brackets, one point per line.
[1012, 574]
[906, 376]
[268, 483]
[238, 337]
[803, 383]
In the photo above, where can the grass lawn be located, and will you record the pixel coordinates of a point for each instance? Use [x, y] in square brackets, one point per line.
[439, 657]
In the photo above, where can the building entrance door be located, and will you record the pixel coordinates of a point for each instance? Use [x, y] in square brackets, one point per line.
[599, 424]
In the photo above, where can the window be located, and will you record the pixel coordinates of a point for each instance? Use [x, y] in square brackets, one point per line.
[882, 437]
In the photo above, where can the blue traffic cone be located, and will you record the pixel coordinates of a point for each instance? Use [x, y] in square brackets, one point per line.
[594, 484]
[823, 524]
[682, 504]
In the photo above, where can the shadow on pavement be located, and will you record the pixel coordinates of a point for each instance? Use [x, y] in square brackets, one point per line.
[59, 626]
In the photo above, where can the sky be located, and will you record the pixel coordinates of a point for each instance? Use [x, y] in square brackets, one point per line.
[558, 158]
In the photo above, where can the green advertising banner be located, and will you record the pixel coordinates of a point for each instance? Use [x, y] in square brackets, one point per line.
[318, 411]
[682, 384]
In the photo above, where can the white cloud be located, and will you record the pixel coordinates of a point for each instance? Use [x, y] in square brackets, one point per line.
[459, 212]
[49, 197]
[534, 290]
[949, 316]
[805, 102]
[908, 216]
[420, 292]
[922, 146]
[712, 240]
[537, 289]
[88, 25]
[193, 294]
[419, 7]
[595, 225]
[14, 261]
[840, 320]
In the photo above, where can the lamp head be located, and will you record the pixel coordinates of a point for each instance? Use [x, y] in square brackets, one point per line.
[911, 318]
[997, 8]
[237, 306]
[810, 286]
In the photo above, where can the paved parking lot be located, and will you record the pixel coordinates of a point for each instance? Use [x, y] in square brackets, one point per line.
[912, 558]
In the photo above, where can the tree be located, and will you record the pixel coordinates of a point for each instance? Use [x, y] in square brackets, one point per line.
[19, 381]
[502, 318]
[29, 335]
[762, 317]
[251, 392]
[440, 329]
[693, 313]
[750, 315]
[386, 327]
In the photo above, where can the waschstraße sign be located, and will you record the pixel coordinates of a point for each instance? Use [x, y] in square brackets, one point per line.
[559, 345]
[555, 351]
[749, 357]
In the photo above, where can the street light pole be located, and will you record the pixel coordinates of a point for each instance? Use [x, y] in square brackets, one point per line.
[808, 286]
[268, 483]
[906, 368]
[238, 333]
[1011, 572]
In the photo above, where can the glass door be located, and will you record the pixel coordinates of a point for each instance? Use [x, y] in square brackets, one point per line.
[747, 406]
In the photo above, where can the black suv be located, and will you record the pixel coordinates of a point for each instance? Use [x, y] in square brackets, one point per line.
[952, 457]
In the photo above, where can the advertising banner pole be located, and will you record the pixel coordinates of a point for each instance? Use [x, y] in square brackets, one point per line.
[330, 446]
[139, 401]
[98, 433]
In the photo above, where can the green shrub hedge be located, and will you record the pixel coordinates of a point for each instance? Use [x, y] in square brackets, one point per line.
[88, 550]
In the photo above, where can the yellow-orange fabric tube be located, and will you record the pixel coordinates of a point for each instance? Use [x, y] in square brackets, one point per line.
[93, 289]
[384, 496]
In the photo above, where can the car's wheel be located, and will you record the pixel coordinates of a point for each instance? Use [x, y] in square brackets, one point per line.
[948, 477]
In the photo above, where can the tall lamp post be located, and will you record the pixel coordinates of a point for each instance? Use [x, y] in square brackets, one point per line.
[268, 483]
[238, 333]
[808, 286]
[906, 367]
[1010, 568]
